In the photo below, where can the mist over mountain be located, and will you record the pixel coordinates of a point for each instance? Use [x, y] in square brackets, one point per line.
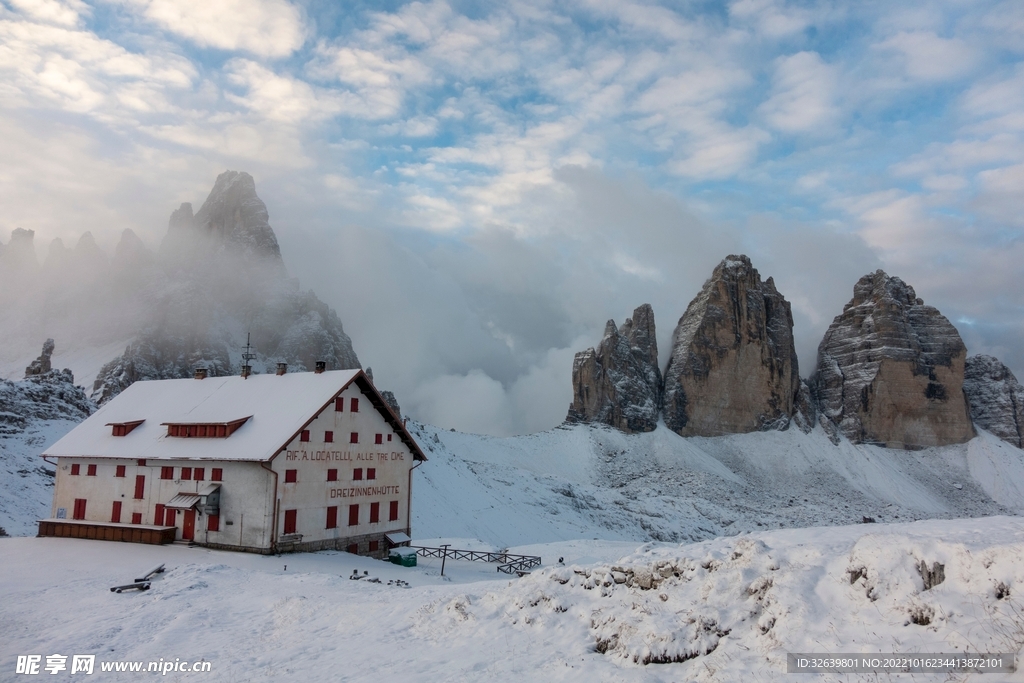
[217, 280]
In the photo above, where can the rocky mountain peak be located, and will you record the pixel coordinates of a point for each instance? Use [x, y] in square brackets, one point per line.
[733, 367]
[20, 253]
[891, 369]
[619, 382]
[996, 398]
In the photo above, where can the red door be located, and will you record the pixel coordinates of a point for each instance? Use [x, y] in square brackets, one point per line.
[189, 525]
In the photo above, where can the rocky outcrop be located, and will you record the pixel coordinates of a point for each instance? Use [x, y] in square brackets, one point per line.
[891, 370]
[619, 382]
[733, 367]
[996, 398]
[48, 396]
[42, 364]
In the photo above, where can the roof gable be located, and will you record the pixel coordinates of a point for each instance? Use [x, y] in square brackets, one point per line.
[279, 406]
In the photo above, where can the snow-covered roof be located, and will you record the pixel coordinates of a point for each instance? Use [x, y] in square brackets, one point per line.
[277, 407]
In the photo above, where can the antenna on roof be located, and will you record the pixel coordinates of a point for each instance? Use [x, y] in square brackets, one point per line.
[247, 356]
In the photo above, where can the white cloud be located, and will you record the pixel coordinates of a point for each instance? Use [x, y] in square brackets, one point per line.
[927, 57]
[803, 95]
[67, 13]
[771, 18]
[269, 28]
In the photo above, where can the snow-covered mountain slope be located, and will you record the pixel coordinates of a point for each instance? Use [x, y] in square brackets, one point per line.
[591, 482]
[722, 611]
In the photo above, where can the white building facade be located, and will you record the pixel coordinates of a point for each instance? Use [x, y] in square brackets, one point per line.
[265, 463]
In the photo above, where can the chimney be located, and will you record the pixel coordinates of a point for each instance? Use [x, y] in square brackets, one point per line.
[246, 371]
[282, 368]
[200, 373]
[320, 366]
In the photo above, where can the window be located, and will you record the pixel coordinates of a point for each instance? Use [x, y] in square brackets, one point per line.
[213, 523]
[353, 437]
[371, 472]
[339, 404]
[374, 546]
[357, 474]
[332, 517]
[141, 462]
[393, 511]
[291, 476]
[158, 516]
[120, 471]
[140, 486]
[304, 436]
[167, 473]
[76, 469]
[353, 548]
[354, 406]
[115, 512]
[332, 475]
[169, 517]
[374, 513]
[91, 470]
[353, 514]
[389, 437]
[290, 521]
[199, 473]
[216, 474]
[378, 438]
[118, 430]
[328, 437]
[79, 511]
[186, 473]
[136, 518]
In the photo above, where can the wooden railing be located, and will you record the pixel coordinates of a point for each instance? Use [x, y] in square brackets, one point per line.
[507, 563]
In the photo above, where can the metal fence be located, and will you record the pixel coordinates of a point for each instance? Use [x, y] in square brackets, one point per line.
[507, 564]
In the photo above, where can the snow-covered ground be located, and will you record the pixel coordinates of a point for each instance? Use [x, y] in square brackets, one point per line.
[728, 609]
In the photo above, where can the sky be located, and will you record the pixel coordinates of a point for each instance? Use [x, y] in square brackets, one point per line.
[477, 187]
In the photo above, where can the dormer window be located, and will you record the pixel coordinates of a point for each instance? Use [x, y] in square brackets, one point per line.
[203, 430]
[123, 428]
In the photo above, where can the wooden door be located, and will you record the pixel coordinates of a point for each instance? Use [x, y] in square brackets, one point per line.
[188, 529]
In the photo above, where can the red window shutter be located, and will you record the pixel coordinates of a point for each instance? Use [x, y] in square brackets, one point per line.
[304, 436]
[354, 406]
[136, 518]
[378, 438]
[339, 404]
[213, 523]
[328, 437]
[76, 469]
[222, 431]
[353, 437]
[353, 514]
[79, 511]
[357, 474]
[167, 473]
[371, 472]
[186, 473]
[158, 516]
[291, 476]
[374, 546]
[199, 473]
[120, 471]
[393, 511]
[290, 521]
[389, 437]
[374, 513]
[332, 517]
[332, 475]
[217, 474]
[353, 548]
[91, 471]
[115, 512]
[169, 516]
[141, 462]
[140, 486]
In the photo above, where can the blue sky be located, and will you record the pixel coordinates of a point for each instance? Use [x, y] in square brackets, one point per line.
[510, 175]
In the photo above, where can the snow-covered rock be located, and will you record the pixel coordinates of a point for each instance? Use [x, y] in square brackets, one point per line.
[733, 367]
[891, 369]
[619, 382]
[996, 398]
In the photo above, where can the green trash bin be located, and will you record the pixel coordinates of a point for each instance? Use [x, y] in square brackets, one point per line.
[405, 557]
